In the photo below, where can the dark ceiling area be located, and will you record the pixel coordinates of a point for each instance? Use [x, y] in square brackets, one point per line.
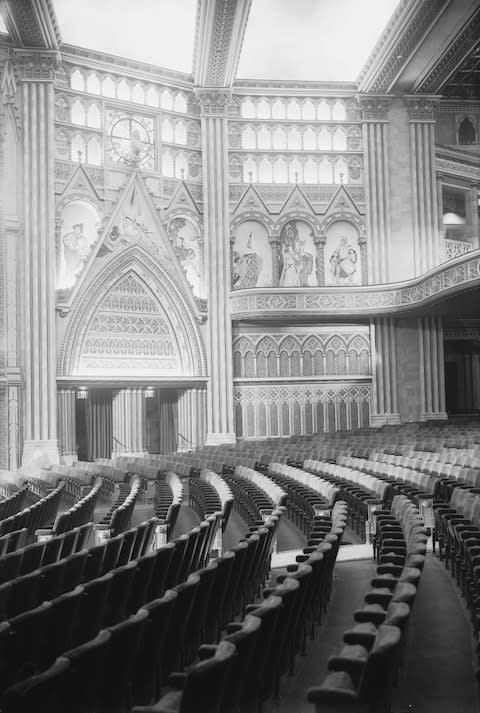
[465, 81]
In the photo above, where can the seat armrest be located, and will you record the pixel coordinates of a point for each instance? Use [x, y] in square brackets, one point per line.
[177, 680]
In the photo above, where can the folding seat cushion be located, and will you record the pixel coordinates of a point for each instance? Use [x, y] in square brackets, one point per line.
[85, 673]
[176, 561]
[64, 623]
[202, 688]
[303, 575]
[147, 672]
[24, 594]
[121, 587]
[263, 663]
[317, 563]
[217, 605]
[179, 621]
[52, 551]
[94, 567]
[112, 553]
[75, 566]
[248, 582]
[141, 584]
[116, 683]
[163, 557]
[288, 591]
[92, 608]
[69, 543]
[32, 557]
[185, 567]
[17, 539]
[127, 547]
[237, 588]
[23, 652]
[46, 692]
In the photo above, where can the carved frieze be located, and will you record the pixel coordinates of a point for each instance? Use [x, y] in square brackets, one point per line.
[37, 65]
[374, 107]
[213, 102]
[421, 108]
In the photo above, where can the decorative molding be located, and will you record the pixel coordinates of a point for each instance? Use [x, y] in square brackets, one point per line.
[213, 102]
[374, 107]
[8, 92]
[32, 24]
[455, 168]
[421, 108]
[463, 43]
[37, 65]
[445, 280]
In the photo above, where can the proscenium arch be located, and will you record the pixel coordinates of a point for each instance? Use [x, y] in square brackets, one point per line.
[157, 281]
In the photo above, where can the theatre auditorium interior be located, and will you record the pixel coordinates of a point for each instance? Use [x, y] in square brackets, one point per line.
[239, 356]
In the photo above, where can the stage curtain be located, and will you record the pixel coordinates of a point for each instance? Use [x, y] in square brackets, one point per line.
[99, 424]
[167, 420]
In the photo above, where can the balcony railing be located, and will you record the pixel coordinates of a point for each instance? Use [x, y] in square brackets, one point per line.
[454, 248]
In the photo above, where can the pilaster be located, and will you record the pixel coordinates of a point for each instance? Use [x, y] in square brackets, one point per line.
[192, 419]
[214, 105]
[377, 191]
[67, 425]
[427, 246]
[128, 422]
[36, 70]
[432, 369]
[385, 385]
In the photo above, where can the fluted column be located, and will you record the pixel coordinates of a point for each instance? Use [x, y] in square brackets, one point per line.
[377, 189]
[426, 235]
[274, 241]
[432, 369]
[67, 436]
[320, 259]
[129, 422]
[214, 107]
[191, 419]
[385, 385]
[36, 69]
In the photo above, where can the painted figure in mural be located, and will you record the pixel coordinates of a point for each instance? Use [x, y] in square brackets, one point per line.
[343, 262]
[186, 248]
[76, 249]
[297, 264]
[246, 267]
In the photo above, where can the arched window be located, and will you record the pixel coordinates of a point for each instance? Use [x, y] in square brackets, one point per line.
[250, 170]
[78, 113]
[94, 116]
[249, 139]
[278, 109]
[93, 84]
[308, 111]
[279, 139]
[181, 166]
[339, 141]
[264, 138]
[78, 149]
[151, 97]
[294, 140]
[123, 91]
[108, 88]
[180, 133]
[323, 111]
[138, 94]
[166, 100]
[94, 151]
[265, 174]
[309, 139]
[325, 173]
[293, 110]
[167, 164]
[280, 173]
[180, 103]
[167, 130]
[77, 81]
[295, 171]
[338, 111]
[324, 140]
[340, 172]
[310, 171]
[466, 132]
[247, 109]
[263, 109]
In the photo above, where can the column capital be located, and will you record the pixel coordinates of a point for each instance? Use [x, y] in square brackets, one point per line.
[421, 107]
[36, 65]
[374, 107]
[213, 102]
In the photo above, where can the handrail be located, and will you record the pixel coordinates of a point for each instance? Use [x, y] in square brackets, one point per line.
[186, 440]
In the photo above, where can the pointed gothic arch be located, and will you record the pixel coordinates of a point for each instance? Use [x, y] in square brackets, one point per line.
[133, 301]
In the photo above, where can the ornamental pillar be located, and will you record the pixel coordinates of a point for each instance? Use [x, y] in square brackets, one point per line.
[274, 241]
[191, 419]
[385, 385]
[129, 422]
[377, 188]
[37, 71]
[426, 236]
[320, 241]
[67, 435]
[214, 105]
[432, 369]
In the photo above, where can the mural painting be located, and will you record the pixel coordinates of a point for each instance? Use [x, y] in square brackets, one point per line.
[342, 263]
[252, 257]
[80, 222]
[185, 238]
[297, 252]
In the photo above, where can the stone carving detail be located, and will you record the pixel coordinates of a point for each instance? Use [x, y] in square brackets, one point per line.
[374, 108]
[421, 108]
[301, 355]
[214, 101]
[221, 41]
[130, 331]
[37, 65]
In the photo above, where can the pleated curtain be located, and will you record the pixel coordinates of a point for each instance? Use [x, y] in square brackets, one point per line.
[99, 424]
